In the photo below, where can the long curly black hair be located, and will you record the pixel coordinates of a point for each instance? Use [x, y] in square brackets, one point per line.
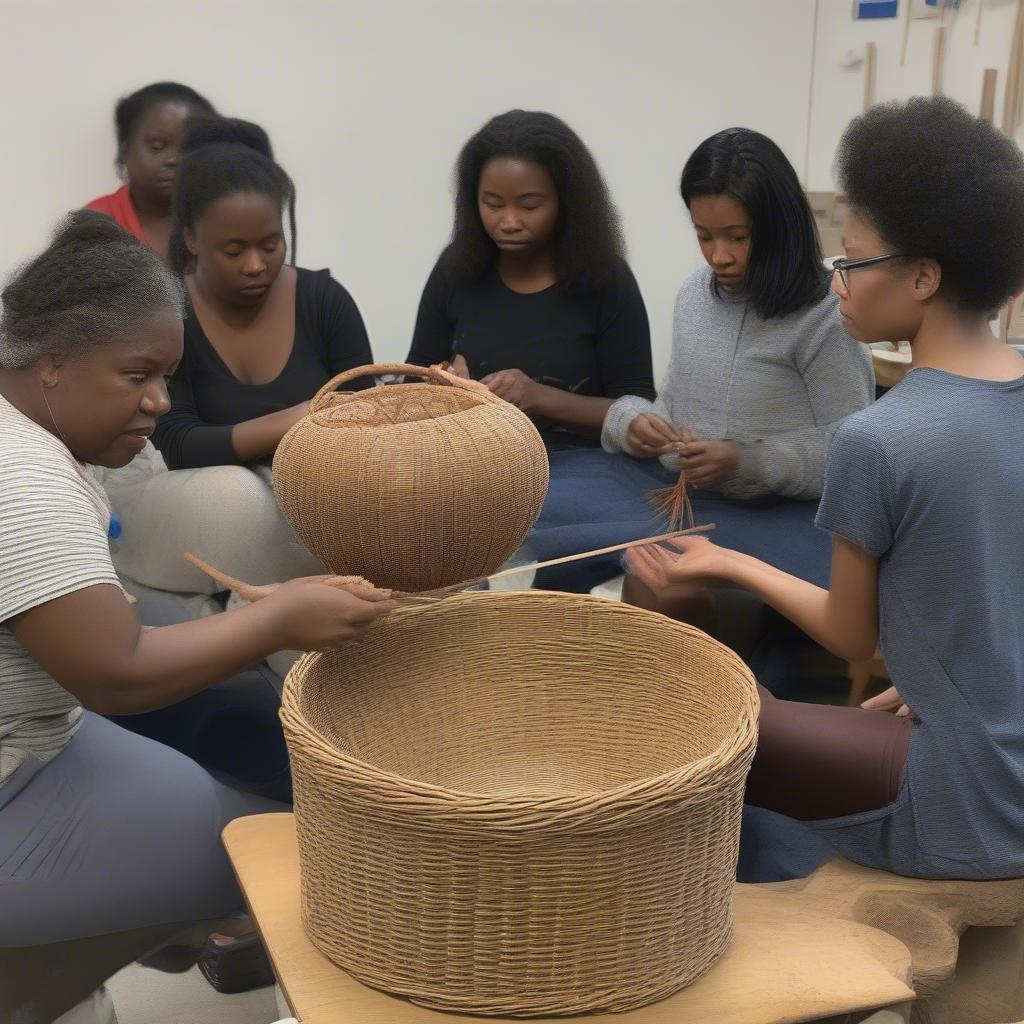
[588, 239]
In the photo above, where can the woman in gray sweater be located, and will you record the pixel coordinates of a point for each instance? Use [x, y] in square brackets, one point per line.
[762, 368]
[762, 371]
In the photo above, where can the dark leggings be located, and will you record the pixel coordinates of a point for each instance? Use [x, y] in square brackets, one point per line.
[232, 729]
[817, 761]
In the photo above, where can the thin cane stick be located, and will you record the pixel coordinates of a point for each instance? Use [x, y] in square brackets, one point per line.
[604, 551]
[251, 592]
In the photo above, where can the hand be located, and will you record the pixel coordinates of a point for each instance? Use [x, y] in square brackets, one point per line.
[460, 367]
[888, 700]
[707, 463]
[695, 558]
[315, 616]
[650, 435]
[515, 387]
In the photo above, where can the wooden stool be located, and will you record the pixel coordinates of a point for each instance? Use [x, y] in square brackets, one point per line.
[788, 962]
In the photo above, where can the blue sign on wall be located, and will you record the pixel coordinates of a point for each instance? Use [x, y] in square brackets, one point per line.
[876, 8]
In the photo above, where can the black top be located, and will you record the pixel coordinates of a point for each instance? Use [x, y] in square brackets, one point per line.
[207, 399]
[597, 343]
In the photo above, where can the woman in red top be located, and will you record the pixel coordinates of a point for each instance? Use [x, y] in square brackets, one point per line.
[150, 126]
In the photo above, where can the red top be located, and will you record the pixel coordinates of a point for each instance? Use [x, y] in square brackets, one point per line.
[118, 206]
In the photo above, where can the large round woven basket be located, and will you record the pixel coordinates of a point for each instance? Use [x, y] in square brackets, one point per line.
[415, 486]
[521, 803]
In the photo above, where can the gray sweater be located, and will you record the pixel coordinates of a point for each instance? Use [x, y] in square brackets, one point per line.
[777, 387]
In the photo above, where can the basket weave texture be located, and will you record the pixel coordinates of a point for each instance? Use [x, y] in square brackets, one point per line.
[521, 803]
[415, 486]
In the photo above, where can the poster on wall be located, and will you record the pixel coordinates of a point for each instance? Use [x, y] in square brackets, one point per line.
[932, 8]
[863, 9]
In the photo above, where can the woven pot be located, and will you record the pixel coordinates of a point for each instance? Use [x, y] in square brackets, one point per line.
[521, 803]
[414, 486]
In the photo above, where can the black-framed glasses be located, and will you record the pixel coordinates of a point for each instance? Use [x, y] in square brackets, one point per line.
[843, 266]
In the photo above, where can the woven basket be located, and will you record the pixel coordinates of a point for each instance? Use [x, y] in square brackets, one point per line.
[414, 486]
[521, 803]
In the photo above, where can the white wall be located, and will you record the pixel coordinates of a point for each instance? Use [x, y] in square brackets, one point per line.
[839, 91]
[368, 101]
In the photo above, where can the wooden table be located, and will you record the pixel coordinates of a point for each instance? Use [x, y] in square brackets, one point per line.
[786, 963]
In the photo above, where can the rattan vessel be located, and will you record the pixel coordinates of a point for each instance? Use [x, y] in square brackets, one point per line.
[521, 803]
[415, 486]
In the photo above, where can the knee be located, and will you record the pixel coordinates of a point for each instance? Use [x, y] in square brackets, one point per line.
[233, 491]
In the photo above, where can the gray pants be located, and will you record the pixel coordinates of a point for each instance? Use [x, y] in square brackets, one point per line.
[117, 834]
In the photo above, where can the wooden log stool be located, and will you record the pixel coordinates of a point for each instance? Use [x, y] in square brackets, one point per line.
[836, 946]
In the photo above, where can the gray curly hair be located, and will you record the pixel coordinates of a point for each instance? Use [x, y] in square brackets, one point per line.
[93, 284]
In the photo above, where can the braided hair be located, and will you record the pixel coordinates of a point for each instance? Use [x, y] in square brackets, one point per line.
[222, 156]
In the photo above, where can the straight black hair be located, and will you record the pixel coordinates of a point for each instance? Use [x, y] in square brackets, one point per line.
[222, 156]
[785, 272]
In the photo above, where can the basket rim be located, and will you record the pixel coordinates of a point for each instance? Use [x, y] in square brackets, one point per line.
[475, 401]
[638, 794]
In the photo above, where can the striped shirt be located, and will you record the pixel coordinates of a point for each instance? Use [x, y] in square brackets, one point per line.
[53, 541]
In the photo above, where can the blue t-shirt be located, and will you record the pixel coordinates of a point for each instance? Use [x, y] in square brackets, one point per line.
[930, 480]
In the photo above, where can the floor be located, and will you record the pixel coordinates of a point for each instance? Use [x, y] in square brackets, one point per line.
[144, 996]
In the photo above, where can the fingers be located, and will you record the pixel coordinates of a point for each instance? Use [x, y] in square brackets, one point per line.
[460, 367]
[500, 384]
[645, 567]
[371, 594]
[887, 700]
[695, 454]
[651, 435]
[661, 430]
[369, 611]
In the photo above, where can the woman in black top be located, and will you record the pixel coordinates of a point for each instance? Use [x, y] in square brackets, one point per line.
[261, 337]
[533, 296]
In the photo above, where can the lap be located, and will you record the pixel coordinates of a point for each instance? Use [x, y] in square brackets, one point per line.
[116, 833]
[817, 761]
[596, 499]
[228, 515]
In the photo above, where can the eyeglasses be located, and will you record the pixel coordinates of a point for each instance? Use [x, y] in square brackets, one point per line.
[842, 267]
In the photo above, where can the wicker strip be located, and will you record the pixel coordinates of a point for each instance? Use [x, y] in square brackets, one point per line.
[521, 803]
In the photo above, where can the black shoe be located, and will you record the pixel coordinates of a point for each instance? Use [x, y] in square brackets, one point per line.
[236, 966]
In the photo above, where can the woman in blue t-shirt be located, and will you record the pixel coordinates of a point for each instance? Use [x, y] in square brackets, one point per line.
[921, 491]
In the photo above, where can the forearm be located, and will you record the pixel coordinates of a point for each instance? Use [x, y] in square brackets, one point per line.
[791, 465]
[170, 663]
[259, 437]
[582, 411]
[851, 634]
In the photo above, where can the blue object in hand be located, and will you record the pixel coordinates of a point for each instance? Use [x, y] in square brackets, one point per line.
[114, 529]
